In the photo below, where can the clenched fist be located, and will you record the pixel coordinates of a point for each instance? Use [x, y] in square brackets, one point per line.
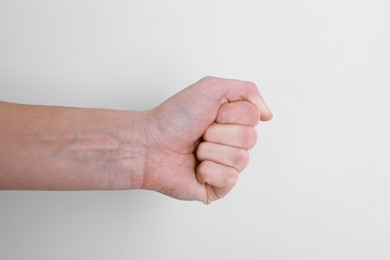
[199, 139]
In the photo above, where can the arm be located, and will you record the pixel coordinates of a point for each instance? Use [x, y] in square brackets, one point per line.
[57, 148]
[192, 146]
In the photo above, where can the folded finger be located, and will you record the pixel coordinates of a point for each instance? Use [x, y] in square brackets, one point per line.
[223, 154]
[219, 179]
[239, 112]
[232, 135]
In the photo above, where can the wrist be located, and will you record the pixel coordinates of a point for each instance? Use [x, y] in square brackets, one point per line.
[132, 148]
[100, 149]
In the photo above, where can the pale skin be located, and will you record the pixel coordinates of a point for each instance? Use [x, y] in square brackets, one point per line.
[191, 147]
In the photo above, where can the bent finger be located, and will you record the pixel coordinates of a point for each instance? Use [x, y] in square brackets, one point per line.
[235, 157]
[217, 175]
[219, 179]
[238, 112]
[232, 135]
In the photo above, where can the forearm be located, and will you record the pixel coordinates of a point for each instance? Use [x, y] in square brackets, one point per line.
[59, 148]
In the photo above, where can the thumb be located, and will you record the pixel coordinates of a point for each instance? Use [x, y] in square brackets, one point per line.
[229, 90]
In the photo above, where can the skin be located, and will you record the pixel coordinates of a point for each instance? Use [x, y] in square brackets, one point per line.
[191, 147]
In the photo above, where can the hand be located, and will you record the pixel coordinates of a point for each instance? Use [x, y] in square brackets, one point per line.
[198, 140]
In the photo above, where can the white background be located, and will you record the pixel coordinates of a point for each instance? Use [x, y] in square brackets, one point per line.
[318, 184]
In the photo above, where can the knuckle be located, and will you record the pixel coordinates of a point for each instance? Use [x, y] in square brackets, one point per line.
[242, 159]
[251, 84]
[208, 134]
[221, 115]
[202, 172]
[200, 151]
[231, 178]
[250, 137]
[253, 114]
[208, 79]
[203, 167]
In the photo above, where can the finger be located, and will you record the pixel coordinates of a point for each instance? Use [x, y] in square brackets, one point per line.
[232, 135]
[235, 90]
[238, 112]
[217, 175]
[227, 155]
[219, 179]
